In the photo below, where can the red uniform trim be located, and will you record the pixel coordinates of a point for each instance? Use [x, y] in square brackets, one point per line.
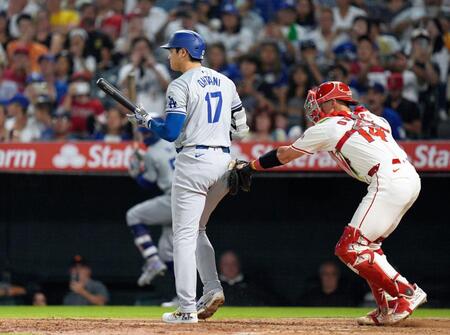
[344, 139]
[301, 150]
[373, 200]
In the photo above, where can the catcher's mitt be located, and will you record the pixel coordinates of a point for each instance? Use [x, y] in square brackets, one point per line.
[240, 176]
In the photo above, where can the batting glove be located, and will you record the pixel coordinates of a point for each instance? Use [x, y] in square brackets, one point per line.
[140, 117]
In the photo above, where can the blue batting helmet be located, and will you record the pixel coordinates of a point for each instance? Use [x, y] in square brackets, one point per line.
[189, 40]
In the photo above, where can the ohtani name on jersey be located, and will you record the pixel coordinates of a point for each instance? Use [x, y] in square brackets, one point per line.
[208, 80]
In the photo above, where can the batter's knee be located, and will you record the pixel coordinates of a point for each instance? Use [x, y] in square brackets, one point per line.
[131, 217]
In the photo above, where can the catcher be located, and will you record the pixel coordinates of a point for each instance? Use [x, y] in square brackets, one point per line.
[362, 145]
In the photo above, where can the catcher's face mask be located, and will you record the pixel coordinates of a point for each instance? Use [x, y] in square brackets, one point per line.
[312, 108]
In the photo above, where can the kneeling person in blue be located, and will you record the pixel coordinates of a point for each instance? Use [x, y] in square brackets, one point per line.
[153, 169]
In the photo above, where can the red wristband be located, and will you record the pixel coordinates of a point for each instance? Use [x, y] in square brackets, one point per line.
[256, 165]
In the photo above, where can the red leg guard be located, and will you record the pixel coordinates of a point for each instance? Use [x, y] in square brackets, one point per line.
[380, 297]
[353, 250]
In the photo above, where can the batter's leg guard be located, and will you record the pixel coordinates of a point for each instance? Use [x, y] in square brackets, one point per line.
[354, 250]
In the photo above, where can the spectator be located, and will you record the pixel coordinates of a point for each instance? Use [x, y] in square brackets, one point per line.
[95, 40]
[299, 83]
[104, 11]
[237, 39]
[63, 68]
[63, 19]
[57, 89]
[250, 19]
[325, 38]
[283, 130]
[427, 73]
[134, 28]
[152, 78]
[10, 294]
[4, 31]
[408, 110]
[262, 126]
[43, 28]
[367, 69]
[344, 14]
[77, 47]
[187, 19]
[21, 128]
[410, 81]
[273, 73]
[155, 18]
[375, 102]
[115, 128]
[249, 82]
[237, 290]
[112, 26]
[19, 68]
[306, 14]
[35, 86]
[8, 86]
[84, 290]
[216, 59]
[4, 134]
[386, 44]
[287, 18]
[39, 299]
[82, 107]
[43, 111]
[329, 291]
[62, 125]
[26, 40]
[309, 56]
[338, 72]
[440, 56]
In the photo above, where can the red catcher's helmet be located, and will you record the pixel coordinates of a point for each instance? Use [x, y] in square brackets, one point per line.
[325, 92]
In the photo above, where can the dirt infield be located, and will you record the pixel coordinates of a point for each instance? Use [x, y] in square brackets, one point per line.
[229, 327]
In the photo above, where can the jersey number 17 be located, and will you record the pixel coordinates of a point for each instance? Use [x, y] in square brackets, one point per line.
[214, 98]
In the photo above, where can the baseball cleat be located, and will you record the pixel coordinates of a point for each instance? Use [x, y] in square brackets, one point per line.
[209, 303]
[419, 297]
[377, 316]
[399, 309]
[152, 268]
[180, 317]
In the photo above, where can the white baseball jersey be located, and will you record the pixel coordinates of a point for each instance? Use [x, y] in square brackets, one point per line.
[159, 161]
[356, 145]
[207, 98]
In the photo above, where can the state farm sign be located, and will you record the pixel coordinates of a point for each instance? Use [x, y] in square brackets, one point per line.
[93, 157]
[72, 156]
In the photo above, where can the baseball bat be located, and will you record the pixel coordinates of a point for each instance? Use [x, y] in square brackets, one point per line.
[114, 93]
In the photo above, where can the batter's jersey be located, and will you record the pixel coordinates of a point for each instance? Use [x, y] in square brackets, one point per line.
[357, 145]
[207, 98]
[159, 161]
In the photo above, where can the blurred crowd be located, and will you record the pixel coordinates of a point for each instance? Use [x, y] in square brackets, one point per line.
[394, 54]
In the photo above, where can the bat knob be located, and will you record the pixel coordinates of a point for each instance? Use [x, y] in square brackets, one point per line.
[100, 82]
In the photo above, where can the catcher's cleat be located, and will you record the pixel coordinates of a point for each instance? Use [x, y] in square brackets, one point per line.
[209, 303]
[399, 309]
[180, 317]
[152, 268]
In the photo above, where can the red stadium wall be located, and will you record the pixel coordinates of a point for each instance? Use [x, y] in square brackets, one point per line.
[100, 157]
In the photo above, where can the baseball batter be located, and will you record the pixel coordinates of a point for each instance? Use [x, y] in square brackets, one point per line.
[362, 145]
[153, 170]
[202, 109]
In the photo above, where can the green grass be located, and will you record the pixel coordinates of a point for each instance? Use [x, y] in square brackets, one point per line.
[225, 312]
